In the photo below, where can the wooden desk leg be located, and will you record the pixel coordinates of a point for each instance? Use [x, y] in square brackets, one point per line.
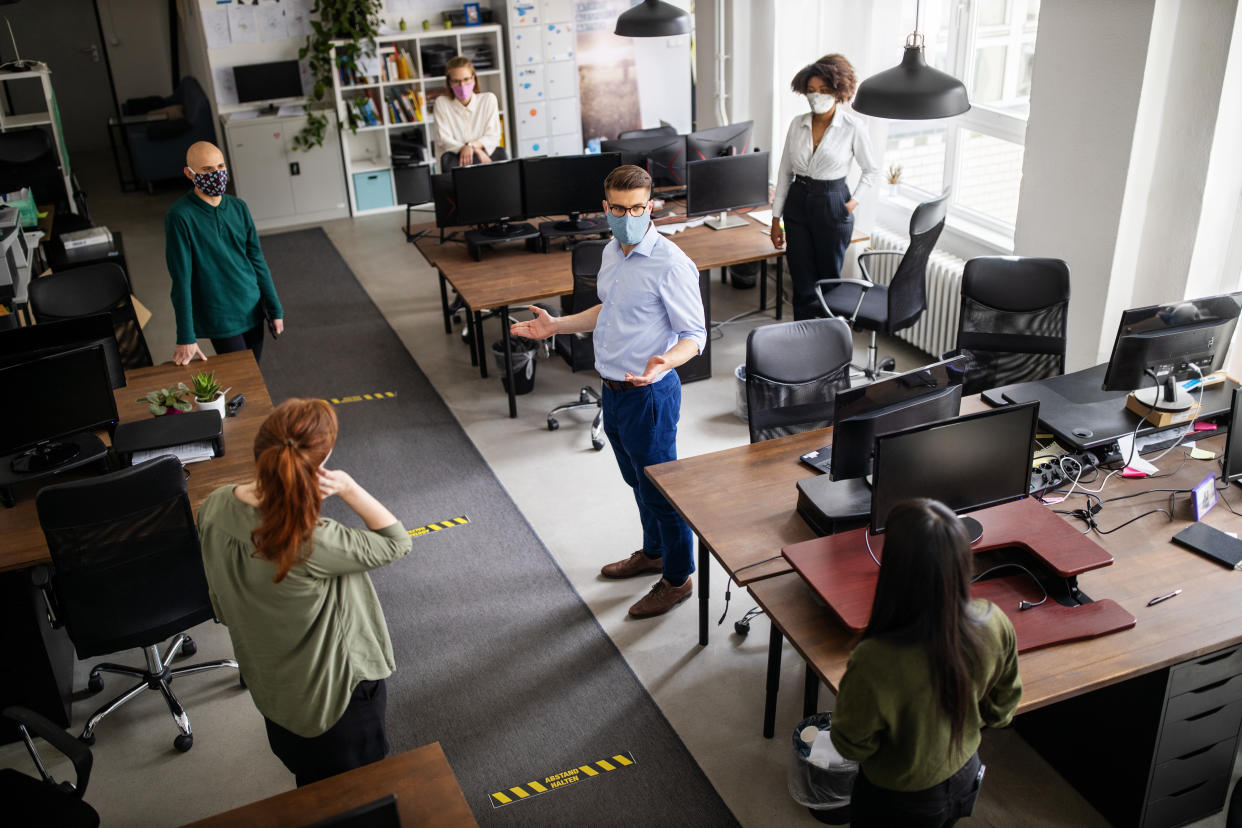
[477, 356]
[444, 305]
[705, 560]
[780, 285]
[763, 285]
[773, 686]
[509, 382]
[810, 693]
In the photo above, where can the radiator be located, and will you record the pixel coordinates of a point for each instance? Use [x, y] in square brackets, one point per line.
[936, 330]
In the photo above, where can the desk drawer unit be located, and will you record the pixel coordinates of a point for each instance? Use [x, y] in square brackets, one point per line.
[1168, 740]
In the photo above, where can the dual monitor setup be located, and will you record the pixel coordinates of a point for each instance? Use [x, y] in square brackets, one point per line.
[60, 377]
[907, 434]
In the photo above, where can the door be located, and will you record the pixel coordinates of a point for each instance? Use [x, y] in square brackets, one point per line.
[65, 36]
[318, 184]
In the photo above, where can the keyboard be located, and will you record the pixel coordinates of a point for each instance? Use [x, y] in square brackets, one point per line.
[820, 459]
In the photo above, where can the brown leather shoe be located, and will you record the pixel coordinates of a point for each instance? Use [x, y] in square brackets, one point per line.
[661, 599]
[636, 564]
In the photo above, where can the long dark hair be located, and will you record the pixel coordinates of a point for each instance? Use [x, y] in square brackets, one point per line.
[291, 444]
[923, 597]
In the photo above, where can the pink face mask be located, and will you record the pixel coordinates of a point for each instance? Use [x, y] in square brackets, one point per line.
[464, 91]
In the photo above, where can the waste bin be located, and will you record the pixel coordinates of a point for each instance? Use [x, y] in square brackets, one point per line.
[819, 777]
[744, 275]
[522, 352]
[740, 409]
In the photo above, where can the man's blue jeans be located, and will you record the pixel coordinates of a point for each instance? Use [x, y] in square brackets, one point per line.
[641, 424]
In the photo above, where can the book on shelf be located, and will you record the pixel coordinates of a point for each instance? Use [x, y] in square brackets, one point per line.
[406, 65]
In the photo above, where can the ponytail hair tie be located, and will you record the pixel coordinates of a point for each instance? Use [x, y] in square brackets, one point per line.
[290, 443]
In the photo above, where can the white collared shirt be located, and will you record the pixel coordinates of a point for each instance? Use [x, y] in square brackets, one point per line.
[845, 140]
[458, 124]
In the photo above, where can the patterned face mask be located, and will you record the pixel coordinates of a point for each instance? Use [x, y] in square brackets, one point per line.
[212, 183]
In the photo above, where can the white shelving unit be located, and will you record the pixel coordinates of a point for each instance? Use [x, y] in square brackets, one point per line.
[49, 117]
[366, 148]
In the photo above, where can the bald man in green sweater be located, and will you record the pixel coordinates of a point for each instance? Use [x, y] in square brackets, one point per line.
[221, 287]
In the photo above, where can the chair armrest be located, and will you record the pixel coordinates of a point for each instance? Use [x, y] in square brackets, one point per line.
[41, 577]
[862, 284]
[863, 256]
[127, 120]
[76, 752]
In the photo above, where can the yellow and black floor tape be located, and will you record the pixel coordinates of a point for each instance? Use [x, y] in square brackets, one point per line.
[379, 395]
[559, 780]
[460, 520]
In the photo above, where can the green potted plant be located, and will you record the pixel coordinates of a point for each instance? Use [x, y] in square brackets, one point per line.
[208, 395]
[355, 23]
[168, 400]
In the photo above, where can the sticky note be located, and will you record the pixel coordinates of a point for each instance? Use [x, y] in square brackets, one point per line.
[1129, 472]
[1202, 454]
[1205, 426]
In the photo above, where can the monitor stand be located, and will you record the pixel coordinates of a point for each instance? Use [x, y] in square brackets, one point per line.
[974, 529]
[1167, 396]
[575, 223]
[490, 234]
[18, 468]
[725, 221]
[829, 506]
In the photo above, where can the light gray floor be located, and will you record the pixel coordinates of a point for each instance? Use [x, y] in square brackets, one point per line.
[577, 503]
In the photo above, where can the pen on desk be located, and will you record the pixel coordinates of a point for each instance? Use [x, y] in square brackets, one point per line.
[1160, 598]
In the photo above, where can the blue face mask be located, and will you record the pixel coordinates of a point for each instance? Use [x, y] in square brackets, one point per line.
[628, 229]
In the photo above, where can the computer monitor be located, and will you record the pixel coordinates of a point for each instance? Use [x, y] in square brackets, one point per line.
[924, 395]
[719, 185]
[275, 81]
[1231, 469]
[567, 184]
[1157, 346]
[37, 413]
[730, 139]
[967, 463]
[48, 338]
[489, 195]
[663, 156]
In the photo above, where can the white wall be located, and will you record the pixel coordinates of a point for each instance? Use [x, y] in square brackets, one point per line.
[663, 73]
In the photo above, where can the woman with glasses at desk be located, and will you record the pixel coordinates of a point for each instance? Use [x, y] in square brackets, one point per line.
[932, 669]
[467, 121]
[292, 587]
[811, 193]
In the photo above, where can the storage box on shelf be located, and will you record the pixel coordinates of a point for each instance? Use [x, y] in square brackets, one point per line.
[388, 103]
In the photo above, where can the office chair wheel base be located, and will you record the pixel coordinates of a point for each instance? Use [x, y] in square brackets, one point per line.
[94, 684]
[183, 742]
[88, 740]
[598, 445]
[241, 680]
[887, 364]
[189, 648]
[553, 425]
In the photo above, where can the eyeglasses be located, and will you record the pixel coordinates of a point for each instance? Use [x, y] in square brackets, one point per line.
[619, 211]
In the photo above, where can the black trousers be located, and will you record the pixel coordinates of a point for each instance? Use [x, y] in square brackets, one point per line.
[939, 806]
[355, 740]
[251, 340]
[817, 231]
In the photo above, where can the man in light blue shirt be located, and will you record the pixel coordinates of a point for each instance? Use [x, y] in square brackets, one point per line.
[648, 322]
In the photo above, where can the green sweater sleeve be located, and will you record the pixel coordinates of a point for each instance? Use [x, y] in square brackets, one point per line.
[254, 252]
[1000, 699]
[180, 268]
[857, 724]
[340, 550]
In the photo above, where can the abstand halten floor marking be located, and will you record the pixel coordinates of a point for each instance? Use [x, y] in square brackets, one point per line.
[379, 395]
[559, 780]
[460, 520]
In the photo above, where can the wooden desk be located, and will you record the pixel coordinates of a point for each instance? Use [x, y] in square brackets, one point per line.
[742, 504]
[36, 664]
[24, 545]
[427, 795]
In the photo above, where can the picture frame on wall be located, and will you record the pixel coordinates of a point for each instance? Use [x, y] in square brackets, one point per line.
[473, 18]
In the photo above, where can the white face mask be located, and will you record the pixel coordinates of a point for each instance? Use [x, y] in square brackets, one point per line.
[820, 102]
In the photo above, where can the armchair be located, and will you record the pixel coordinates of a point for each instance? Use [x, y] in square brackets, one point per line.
[895, 306]
[91, 289]
[157, 144]
[126, 572]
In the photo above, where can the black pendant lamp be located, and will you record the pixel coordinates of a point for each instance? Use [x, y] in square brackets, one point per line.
[653, 18]
[912, 90]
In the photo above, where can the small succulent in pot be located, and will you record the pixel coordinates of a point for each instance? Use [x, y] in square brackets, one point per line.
[168, 400]
[206, 388]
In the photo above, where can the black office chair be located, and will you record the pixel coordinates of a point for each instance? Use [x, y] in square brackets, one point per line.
[1011, 326]
[663, 129]
[126, 572]
[448, 160]
[90, 289]
[897, 305]
[793, 373]
[44, 801]
[578, 349]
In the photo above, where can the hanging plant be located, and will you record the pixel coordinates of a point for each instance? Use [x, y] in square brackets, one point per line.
[355, 21]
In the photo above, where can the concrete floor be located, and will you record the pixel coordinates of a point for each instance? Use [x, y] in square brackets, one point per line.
[713, 696]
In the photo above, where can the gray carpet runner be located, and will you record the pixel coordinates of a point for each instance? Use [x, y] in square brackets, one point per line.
[498, 658]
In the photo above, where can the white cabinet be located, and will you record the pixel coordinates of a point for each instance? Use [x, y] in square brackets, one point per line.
[282, 186]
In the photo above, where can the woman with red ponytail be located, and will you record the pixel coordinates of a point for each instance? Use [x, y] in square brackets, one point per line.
[306, 625]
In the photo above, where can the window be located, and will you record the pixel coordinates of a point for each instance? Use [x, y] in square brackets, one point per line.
[990, 46]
